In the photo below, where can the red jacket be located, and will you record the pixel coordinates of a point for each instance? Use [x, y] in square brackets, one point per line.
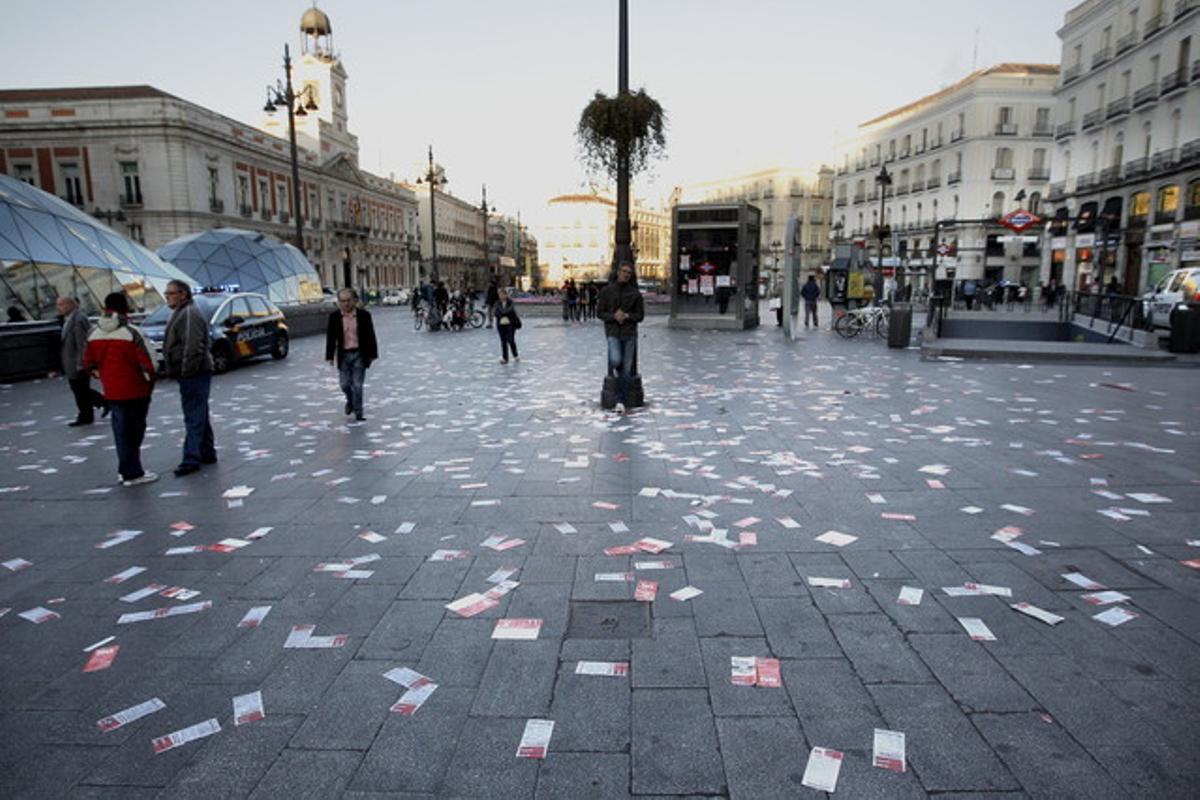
[118, 351]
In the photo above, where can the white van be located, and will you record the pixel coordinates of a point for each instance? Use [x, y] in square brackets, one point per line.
[1177, 286]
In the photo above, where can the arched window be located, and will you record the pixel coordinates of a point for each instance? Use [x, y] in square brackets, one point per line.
[1004, 158]
[1168, 203]
[1118, 150]
[998, 204]
[1035, 202]
[935, 216]
[1193, 200]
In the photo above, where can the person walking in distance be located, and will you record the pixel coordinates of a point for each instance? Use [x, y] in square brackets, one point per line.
[811, 292]
[507, 325]
[350, 343]
[593, 296]
[187, 355]
[74, 338]
[118, 353]
[621, 307]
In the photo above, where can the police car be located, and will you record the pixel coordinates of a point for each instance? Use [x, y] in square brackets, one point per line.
[243, 325]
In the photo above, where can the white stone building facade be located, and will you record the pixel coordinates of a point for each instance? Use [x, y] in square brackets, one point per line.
[964, 153]
[155, 167]
[578, 236]
[1126, 174]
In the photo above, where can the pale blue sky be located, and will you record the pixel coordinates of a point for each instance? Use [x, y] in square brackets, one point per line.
[497, 86]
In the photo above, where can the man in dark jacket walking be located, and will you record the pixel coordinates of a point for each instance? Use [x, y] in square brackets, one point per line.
[74, 337]
[490, 299]
[620, 306]
[350, 341]
[187, 355]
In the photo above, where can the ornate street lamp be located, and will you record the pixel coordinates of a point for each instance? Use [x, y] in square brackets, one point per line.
[434, 177]
[298, 105]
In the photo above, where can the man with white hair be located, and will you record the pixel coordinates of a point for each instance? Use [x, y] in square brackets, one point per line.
[74, 337]
[350, 341]
[187, 354]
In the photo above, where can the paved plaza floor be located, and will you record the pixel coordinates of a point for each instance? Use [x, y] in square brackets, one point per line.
[1042, 523]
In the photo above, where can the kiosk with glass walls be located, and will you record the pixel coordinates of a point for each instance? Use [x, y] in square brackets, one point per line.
[714, 266]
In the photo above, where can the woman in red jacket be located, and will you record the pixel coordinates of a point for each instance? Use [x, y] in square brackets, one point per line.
[117, 352]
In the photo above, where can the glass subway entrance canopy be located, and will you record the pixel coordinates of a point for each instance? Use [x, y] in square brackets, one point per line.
[245, 261]
[49, 248]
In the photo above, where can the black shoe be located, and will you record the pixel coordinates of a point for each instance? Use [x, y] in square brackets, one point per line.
[348, 407]
[210, 460]
[359, 418]
[107, 410]
[186, 469]
[79, 422]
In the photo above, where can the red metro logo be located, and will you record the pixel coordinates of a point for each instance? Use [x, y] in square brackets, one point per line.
[1019, 220]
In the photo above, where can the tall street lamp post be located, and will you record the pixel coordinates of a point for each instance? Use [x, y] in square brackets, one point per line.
[884, 179]
[485, 209]
[284, 94]
[623, 249]
[434, 177]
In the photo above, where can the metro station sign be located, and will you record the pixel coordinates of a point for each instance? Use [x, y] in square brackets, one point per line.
[1019, 220]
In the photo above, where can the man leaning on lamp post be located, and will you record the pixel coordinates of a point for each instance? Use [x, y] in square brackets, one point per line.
[621, 307]
[350, 342]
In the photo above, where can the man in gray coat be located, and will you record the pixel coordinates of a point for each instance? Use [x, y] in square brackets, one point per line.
[74, 336]
[187, 355]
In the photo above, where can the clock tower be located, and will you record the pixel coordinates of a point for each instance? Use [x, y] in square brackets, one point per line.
[318, 69]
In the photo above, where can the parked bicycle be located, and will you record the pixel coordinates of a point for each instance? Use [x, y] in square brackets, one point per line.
[872, 319]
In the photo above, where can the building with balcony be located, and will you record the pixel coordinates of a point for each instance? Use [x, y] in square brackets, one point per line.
[578, 235]
[1126, 173]
[157, 167]
[514, 251]
[779, 193]
[462, 247]
[966, 152]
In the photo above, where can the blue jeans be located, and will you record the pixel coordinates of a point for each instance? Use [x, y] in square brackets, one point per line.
[621, 352]
[351, 375]
[129, 429]
[198, 445]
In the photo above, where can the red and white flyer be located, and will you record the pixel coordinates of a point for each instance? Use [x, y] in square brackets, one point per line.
[181, 737]
[179, 593]
[508, 544]
[535, 741]
[686, 593]
[742, 671]
[620, 550]
[829, 583]
[406, 677]
[607, 507]
[821, 773]
[124, 575]
[613, 577]
[413, 699]
[747, 522]
[976, 628]
[160, 613]
[608, 668]
[254, 617]
[1082, 581]
[646, 591]
[117, 537]
[471, 605]
[1115, 616]
[301, 638]
[131, 714]
[649, 544]
[372, 537]
[500, 589]
[910, 596]
[102, 658]
[836, 538]
[183, 551]
[228, 545]
[788, 522]
[248, 708]
[934, 483]
[183, 527]
[142, 593]
[501, 575]
[258, 533]
[767, 672]
[449, 555]
[16, 564]
[1105, 598]
[37, 615]
[747, 539]
[514, 628]
[653, 565]
[889, 750]
[1038, 613]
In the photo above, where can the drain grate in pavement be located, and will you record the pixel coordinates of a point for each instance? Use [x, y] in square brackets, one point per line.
[609, 619]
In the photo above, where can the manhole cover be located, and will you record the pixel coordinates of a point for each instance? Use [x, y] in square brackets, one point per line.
[609, 619]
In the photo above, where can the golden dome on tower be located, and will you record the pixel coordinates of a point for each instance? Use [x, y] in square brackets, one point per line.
[315, 22]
